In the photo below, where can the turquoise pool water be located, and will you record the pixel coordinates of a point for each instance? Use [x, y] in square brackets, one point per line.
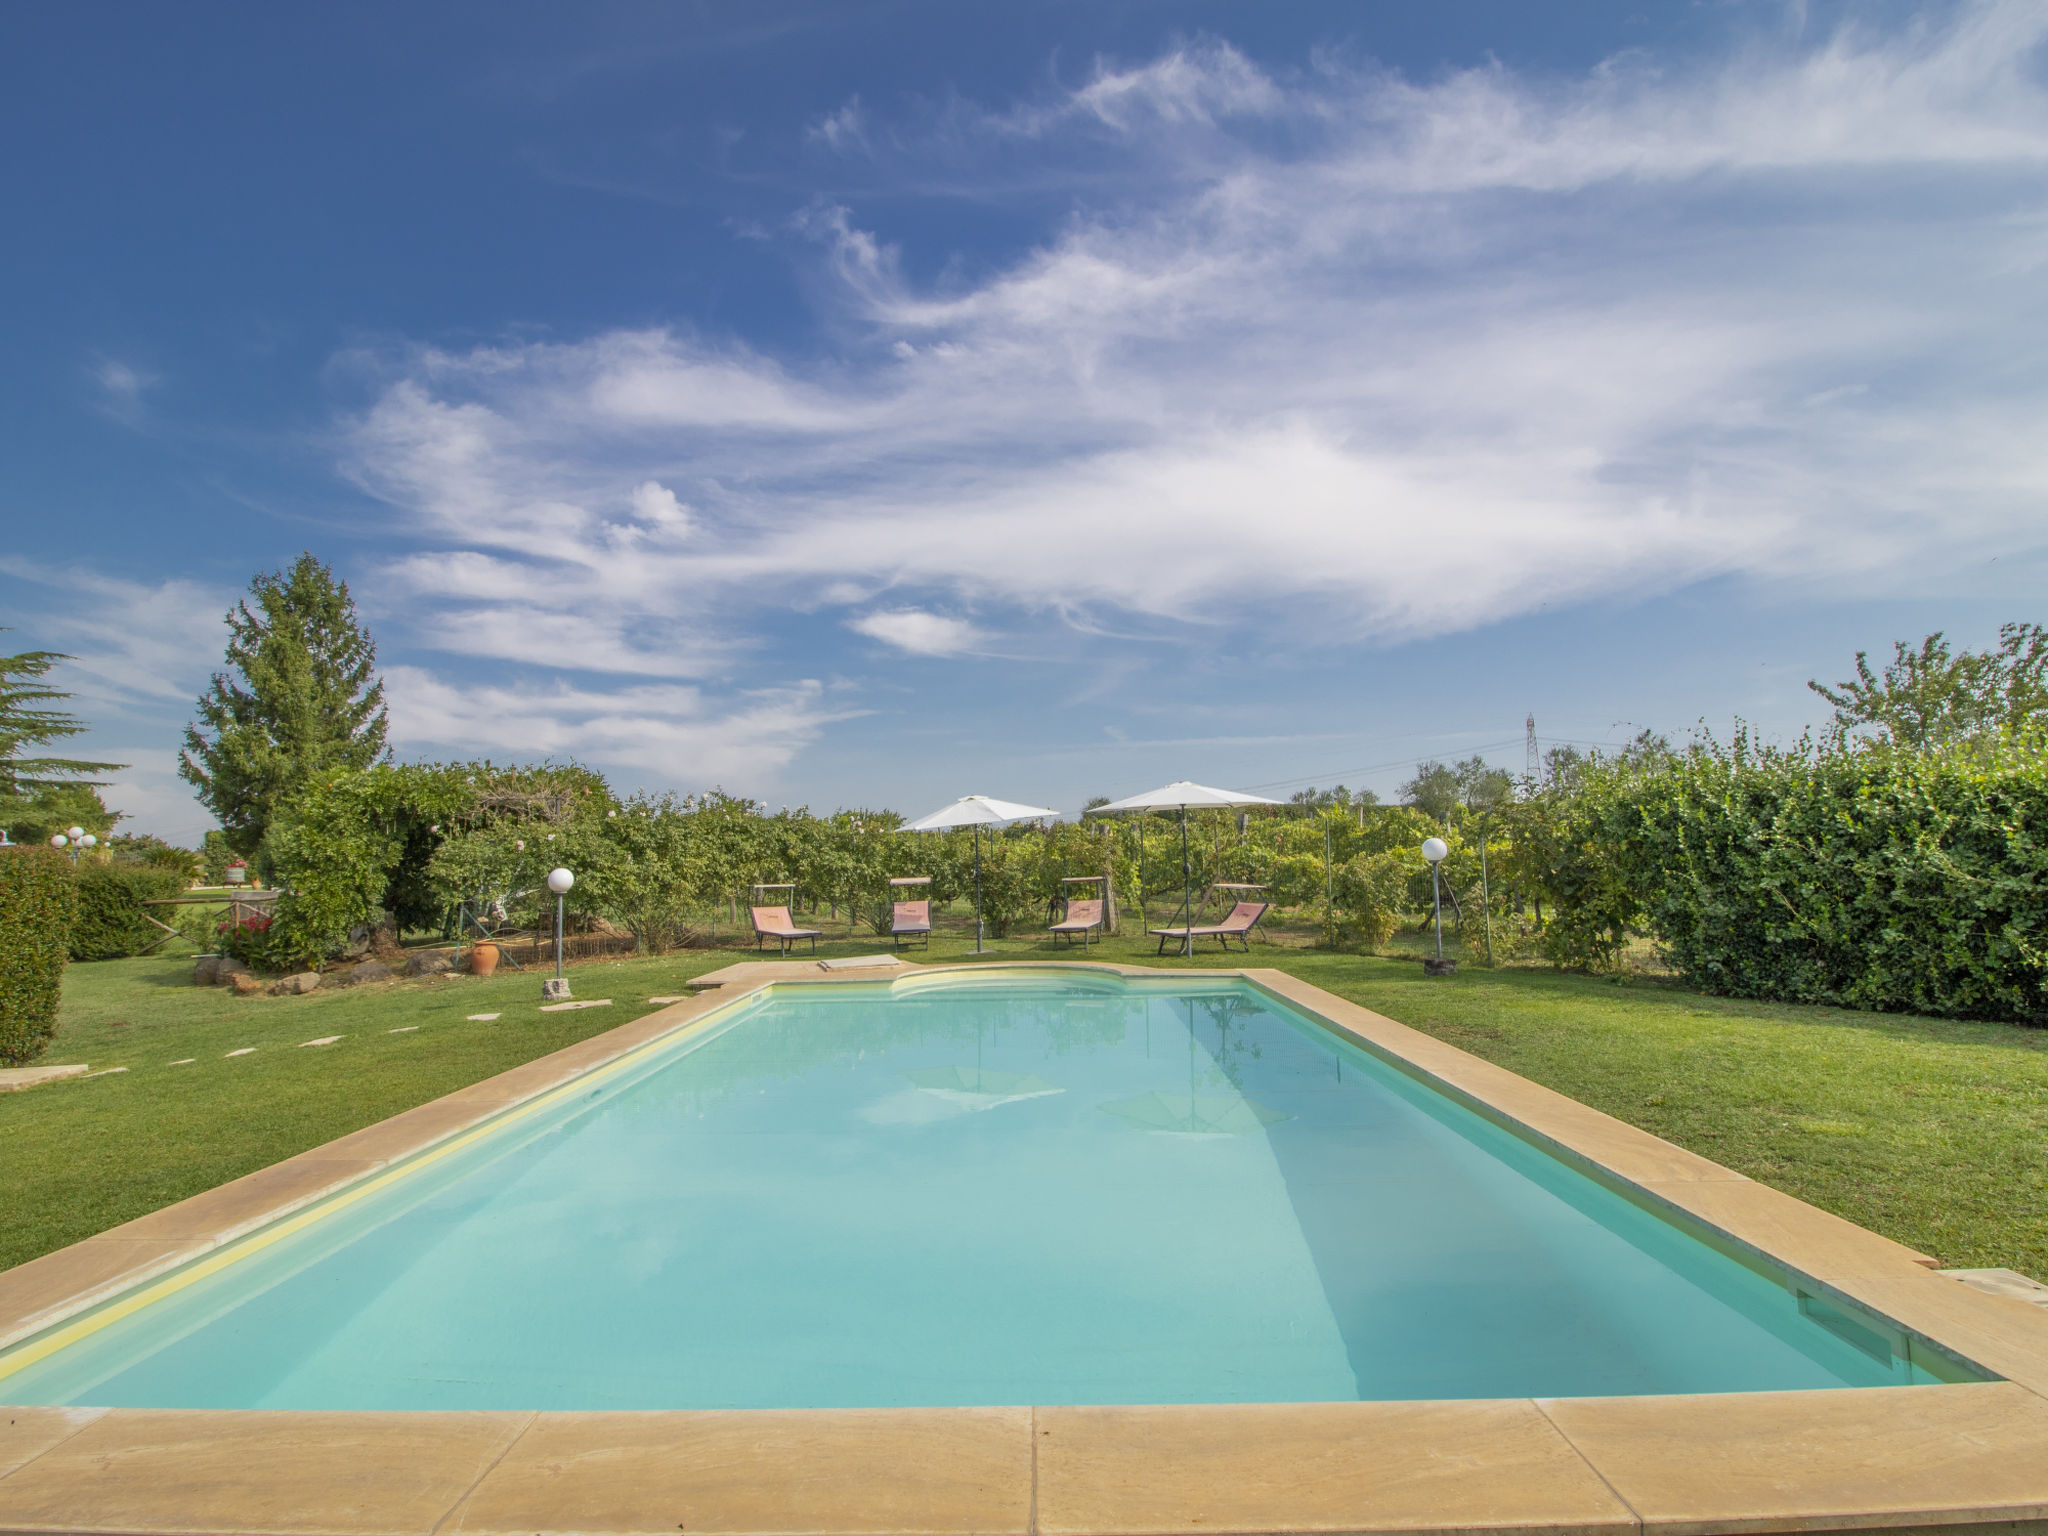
[1011, 1188]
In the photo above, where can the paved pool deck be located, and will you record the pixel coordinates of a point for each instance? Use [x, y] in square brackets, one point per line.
[1902, 1459]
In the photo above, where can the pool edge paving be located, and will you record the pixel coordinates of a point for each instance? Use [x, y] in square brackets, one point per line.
[1900, 1458]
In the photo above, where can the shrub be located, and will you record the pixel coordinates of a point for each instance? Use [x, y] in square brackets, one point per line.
[1370, 890]
[110, 922]
[1858, 874]
[36, 898]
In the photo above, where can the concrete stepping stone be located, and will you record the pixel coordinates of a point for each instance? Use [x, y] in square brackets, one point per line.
[34, 1077]
[403, 1029]
[247, 1050]
[483, 1018]
[591, 1002]
[184, 1061]
[323, 1040]
[667, 1000]
[106, 1072]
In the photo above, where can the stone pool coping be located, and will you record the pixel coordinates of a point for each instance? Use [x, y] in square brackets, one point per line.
[1898, 1459]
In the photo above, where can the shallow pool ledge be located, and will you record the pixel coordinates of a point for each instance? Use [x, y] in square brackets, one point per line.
[1891, 1459]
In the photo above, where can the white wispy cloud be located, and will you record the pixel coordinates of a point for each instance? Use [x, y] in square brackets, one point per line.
[133, 645]
[1382, 355]
[674, 734]
[918, 632]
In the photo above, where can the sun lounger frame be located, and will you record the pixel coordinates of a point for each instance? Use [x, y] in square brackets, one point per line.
[784, 934]
[1094, 911]
[1232, 927]
[917, 932]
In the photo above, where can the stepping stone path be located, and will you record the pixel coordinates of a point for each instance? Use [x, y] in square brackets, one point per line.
[323, 1040]
[484, 1018]
[247, 1050]
[598, 1002]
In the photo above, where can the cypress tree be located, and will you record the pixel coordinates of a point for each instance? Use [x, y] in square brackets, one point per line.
[300, 697]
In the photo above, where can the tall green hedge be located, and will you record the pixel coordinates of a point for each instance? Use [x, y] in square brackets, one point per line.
[109, 923]
[1847, 873]
[35, 926]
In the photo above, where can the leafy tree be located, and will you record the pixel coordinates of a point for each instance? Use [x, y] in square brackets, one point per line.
[32, 787]
[1482, 789]
[1933, 695]
[300, 699]
[1315, 799]
[1563, 768]
[1433, 790]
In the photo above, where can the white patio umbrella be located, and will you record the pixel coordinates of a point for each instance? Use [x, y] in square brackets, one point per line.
[1182, 795]
[977, 811]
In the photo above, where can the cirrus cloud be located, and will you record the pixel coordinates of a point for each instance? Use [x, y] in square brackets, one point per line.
[1386, 356]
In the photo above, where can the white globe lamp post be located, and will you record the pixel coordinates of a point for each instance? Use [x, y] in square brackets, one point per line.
[1435, 849]
[78, 840]
[559, 881]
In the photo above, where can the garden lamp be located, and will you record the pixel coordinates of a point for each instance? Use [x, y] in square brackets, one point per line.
[1434, 849]
[559, 881]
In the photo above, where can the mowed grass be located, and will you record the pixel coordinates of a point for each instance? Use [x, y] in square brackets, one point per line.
[1932, 1132]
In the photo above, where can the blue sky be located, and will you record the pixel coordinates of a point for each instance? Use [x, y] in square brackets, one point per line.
[868, 404]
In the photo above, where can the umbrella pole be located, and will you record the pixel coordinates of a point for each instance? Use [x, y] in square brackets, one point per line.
[977, 890]
[1187, 880]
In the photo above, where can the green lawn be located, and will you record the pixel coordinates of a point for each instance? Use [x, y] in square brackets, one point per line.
[1933, 1133]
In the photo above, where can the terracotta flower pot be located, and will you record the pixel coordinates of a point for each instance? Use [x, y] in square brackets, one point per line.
[483, 959]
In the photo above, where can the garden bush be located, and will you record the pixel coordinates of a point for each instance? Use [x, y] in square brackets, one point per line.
[1371, 890]
[109, 923]
[1854, 873]
[36, 900]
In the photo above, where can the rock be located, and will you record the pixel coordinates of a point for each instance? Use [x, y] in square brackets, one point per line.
[228, 969]
[244, 984]
[358, 944]
[369, 970]
[206, 971]
[297, 986]
[428, 962]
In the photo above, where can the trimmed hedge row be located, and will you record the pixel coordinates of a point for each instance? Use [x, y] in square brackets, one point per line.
[36, 897]
[109, 923]
[1858, 875]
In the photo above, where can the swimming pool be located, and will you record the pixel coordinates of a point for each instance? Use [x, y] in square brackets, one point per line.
[980, 1188]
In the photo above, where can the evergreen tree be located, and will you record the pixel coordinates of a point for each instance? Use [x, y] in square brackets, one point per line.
[300, 697]
[31, 782]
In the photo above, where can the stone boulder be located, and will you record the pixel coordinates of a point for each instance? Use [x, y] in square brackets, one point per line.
[358, 944]
[244, 984]
[228, 969]
[296, 986]
[428, 962]
[369, 970]
[206, 971]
